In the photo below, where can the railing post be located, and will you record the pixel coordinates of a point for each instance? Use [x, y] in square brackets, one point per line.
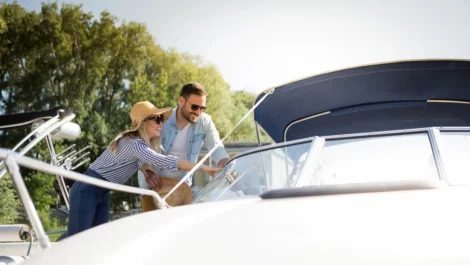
[60, 179]
[434, 137]
[14, 170]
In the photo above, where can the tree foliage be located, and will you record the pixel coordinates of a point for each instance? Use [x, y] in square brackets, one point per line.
[63, 56]
[9, 203]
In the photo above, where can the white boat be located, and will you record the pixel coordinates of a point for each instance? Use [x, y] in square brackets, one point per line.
[369, 167]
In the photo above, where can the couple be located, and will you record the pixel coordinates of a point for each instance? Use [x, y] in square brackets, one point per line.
[156, 150]
[182, 136]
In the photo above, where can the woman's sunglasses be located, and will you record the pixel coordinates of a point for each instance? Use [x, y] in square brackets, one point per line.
[195, 107]
[158, 119]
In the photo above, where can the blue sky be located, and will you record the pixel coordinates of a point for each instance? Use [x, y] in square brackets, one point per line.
[259, 44]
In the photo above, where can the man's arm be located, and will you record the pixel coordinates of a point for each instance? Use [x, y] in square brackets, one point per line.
[211, 140]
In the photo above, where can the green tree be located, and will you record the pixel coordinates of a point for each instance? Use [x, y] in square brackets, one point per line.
[63, 56]
[3, 25]
[9, 203]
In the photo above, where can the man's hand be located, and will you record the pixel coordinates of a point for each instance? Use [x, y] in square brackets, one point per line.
[223, 162]
[152, 179]
[212, 174]
[221, 165]
[212, 171]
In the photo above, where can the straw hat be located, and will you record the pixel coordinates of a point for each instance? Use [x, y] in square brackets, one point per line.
[181, 196]
[144, 109]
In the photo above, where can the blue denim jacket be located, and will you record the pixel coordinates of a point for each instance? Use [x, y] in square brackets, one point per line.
[201, 132]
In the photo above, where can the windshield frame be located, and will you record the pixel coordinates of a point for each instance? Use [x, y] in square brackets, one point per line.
[317, 143]
[272, 146]
[432, 132]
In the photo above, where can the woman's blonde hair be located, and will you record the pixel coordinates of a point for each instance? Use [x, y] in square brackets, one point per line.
[139, 114]
[155, 143]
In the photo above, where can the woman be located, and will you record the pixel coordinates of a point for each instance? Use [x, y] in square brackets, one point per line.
[127, 153]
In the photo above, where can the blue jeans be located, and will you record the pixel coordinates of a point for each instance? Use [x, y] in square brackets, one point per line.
[89, 205]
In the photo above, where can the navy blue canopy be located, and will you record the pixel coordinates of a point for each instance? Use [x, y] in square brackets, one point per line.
[389, 96]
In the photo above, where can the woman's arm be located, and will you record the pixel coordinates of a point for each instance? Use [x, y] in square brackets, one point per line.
[185, 165]
[147, 155]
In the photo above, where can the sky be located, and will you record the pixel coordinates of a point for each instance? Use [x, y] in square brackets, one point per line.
[258, 44]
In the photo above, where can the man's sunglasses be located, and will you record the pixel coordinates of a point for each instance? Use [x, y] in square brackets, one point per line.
[158, 119]
[195, 107]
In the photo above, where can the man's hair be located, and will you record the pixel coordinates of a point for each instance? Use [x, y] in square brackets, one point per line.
[192, 88]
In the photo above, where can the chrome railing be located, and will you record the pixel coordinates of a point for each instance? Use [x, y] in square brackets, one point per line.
[40, 132]
[60, 165]
[12, 162]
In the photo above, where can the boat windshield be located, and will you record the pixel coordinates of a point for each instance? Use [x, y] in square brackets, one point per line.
[342, 160]
[255, 173]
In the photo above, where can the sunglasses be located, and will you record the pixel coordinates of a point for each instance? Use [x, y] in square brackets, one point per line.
[195, 107]
[158, 119]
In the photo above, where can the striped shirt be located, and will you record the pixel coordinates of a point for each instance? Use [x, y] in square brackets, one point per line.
[131, 154]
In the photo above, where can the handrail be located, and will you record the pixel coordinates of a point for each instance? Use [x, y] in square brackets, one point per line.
[43, 134]
[35, 131]
[39, 165]
[48, 123]
[14, 159]
[12, 166]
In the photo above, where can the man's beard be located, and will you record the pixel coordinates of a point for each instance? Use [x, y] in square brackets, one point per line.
[187, 116]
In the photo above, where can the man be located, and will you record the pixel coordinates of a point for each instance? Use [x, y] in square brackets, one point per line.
[183, 135]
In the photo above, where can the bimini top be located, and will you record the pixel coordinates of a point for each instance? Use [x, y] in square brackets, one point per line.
[389, 96]
[22, 119]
